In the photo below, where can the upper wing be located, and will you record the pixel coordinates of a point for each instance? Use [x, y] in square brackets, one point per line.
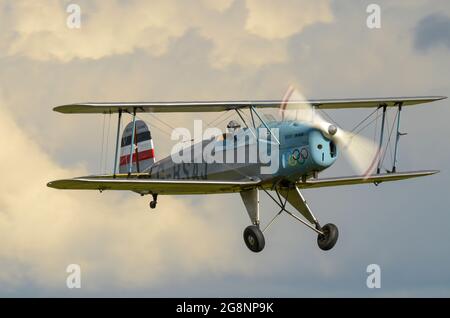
[217, 106]
[159, 186]
[384, 177]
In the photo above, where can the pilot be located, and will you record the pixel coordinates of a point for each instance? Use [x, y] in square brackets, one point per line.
[233, 126]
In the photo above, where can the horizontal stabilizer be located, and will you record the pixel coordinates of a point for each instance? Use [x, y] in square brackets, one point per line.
[378, 178]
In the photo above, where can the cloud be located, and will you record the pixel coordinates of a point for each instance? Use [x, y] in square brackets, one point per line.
[219, 5]
[274, 19]
[107, 28]
[113, 237]
[432, 31]
[38, 30]
[233, 45]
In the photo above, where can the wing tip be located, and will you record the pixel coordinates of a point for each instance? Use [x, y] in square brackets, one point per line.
[51, 184]
[60, 109]
[57, 184]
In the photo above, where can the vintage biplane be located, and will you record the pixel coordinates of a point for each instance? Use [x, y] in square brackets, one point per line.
[307, 145]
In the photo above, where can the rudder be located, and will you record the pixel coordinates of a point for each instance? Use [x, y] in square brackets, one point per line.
[143, 151]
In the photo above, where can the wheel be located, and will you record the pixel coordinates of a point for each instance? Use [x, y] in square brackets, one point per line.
[152, 204]
[254, 238]
[329, 238]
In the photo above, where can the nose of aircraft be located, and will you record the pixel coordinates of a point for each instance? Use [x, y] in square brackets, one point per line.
[323, 150]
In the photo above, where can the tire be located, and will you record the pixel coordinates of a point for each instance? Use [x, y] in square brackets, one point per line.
[329, 238]
[254, 239]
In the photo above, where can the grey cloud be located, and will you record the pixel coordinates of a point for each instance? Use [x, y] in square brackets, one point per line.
[432, 31]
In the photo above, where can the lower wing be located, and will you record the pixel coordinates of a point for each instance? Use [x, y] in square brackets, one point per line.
[377, 178]
[159, 186]
[142, 185]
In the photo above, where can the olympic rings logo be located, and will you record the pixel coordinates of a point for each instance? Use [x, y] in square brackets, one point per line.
[298, 156]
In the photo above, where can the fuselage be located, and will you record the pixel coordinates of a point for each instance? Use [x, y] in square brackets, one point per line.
[302, 151]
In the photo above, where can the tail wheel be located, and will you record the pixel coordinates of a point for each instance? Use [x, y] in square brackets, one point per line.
[328, 239]
[254, 238]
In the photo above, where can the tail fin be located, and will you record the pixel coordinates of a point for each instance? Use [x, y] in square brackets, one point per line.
[143, 152]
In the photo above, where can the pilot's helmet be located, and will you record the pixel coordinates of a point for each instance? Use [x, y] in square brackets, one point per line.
[233, 125]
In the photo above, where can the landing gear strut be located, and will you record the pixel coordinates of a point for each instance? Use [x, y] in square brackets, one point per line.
[154, 201]
[253, 236]
[327, 234]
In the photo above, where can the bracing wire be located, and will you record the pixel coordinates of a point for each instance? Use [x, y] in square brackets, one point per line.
[152, 125]
[328, 116]
[355, 129]
[161, 121]
[362, 121]
[225, 119]
[210, 124]
[366, 125]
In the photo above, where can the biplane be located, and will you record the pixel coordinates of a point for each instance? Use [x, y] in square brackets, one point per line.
[306, 144]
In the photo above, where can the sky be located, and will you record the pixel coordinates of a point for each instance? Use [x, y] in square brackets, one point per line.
[191, 246]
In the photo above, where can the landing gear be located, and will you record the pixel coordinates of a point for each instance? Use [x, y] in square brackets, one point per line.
[327, 235]
[254, 238]
[155, 200]
[253, 235]
[328, 239]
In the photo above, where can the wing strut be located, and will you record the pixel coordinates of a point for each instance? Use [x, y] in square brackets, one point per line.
[380, 153]
[130, 164]
[136, 151]
[380, 147]
[117, 143]
[399, 134]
